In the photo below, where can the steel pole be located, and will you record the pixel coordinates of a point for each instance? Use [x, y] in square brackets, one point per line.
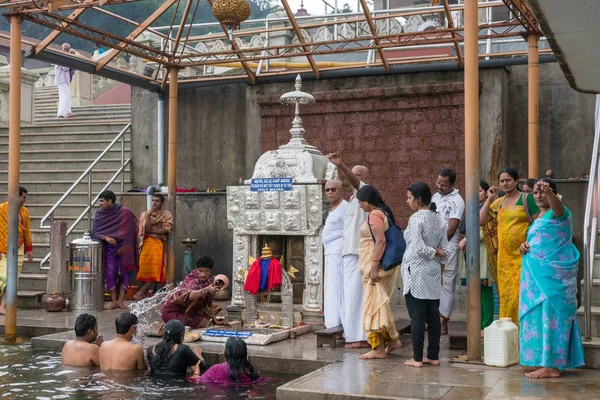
[14, 154]
[172, 169]
[471, 77]
[533, 88]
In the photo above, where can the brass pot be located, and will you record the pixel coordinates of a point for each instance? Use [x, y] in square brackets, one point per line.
[54, 302]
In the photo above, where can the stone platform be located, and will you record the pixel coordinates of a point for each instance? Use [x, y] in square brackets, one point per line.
[338, 373]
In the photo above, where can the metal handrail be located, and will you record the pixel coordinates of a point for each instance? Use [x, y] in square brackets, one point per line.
[90, 202]
[589, 235]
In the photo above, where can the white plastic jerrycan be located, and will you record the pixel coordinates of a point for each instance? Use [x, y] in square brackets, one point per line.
[501, 343]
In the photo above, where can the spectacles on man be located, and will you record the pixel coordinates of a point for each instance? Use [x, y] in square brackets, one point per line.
[331, 190]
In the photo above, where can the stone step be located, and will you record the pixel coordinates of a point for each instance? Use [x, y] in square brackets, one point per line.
[595, 319]
[48, 103]
[33, 281]
[43, 235]
[63, 186]
[595, 291]
[83, 142]
[77, 197]
[41, 135]
[80, 119]
[53, 154]
[68, 126]
[28, 299]
[75, 164]
[65, 174]
[111, 113]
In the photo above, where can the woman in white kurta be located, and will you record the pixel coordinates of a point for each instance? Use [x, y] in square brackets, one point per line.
[333, 304]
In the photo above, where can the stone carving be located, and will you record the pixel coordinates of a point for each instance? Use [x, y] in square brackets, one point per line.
[201, 47]
[252, 220]
[270, 199]
[332, 172]
[313, 281]
[323, 34]
[271, 221]
[240, 268]
[252, 199]
[281, 169]
[346, 31]
[256, 41]
[291, 199]
[413, 23]
[292, 221]
[219, 45]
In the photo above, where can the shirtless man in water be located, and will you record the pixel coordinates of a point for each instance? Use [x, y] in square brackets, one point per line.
[120, 354]
[84, 349]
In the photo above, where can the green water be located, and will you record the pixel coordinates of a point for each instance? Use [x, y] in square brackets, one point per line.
[36, 374]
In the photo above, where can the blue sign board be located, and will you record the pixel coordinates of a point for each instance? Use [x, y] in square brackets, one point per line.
[270, 184]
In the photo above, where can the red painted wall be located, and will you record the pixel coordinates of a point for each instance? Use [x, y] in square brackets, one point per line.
[402, 134]
[120, 94]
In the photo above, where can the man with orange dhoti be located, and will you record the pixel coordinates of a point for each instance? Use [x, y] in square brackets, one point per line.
[25, 243]
[155, 226]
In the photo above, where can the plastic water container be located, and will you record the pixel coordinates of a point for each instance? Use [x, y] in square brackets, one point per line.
[501, 343]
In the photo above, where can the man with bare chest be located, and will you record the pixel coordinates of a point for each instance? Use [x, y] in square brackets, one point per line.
[120, 354]
[84, 349]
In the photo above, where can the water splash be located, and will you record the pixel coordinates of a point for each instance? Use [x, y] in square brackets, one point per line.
[148, 312]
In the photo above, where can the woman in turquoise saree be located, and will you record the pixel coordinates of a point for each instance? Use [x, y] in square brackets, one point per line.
[550, 337]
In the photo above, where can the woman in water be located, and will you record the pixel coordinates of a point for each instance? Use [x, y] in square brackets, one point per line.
[171, 358]
[235, 369]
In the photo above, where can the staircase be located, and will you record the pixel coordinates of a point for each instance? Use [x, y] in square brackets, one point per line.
[54, 153]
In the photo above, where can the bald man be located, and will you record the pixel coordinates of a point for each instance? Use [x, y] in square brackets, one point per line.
[353, 288]
[333, 305]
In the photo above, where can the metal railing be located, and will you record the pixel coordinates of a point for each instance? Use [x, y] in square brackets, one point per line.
[90, 202]
[590, 228]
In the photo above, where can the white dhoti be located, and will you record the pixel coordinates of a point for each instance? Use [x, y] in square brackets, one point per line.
[333, 304]
[353, 300]
[449, 286]
[64, 100]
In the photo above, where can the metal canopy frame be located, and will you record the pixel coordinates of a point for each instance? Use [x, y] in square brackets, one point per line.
[179, 50]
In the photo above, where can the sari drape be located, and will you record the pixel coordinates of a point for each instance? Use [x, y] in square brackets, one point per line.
[550, 336]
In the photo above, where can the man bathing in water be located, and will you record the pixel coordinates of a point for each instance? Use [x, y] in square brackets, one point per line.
[120, 354]
[83, 351]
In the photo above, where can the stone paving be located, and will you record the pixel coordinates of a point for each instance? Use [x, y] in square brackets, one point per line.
[336, 374]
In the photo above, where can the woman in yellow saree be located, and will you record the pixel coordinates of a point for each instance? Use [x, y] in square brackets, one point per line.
[514, 214]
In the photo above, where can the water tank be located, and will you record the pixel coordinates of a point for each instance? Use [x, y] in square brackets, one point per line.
[85, 274]
[501, 343]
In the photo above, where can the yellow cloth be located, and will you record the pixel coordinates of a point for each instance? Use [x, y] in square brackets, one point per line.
[512, 231]
[152, 261]
[378, 320]
[4, 267]
[24, 228]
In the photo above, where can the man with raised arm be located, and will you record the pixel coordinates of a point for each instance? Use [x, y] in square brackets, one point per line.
[353, 287]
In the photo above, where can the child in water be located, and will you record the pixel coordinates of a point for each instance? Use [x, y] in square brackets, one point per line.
[235, 369]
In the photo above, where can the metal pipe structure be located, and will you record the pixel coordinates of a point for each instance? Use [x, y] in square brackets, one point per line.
[172, 168]
[161, 140]
[533, 88]
[471, 78]
[14, 159]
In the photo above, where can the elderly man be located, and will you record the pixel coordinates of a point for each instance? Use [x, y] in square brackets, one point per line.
[155, 226]
[120, 354]
[332, 243]
[63, 82]
[84, 350]
[451, 206]
[116, 226]
[353, 288]
[24, 242]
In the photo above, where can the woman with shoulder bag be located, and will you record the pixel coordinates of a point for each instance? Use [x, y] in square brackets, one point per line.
[378, 320]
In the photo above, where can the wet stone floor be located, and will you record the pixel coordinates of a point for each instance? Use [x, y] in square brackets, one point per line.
[338, 374]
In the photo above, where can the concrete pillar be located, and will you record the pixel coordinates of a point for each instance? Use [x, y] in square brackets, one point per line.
[58, 276]
[28, 80]
[81, 89]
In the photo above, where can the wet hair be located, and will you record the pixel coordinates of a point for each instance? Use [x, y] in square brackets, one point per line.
[450, 174]
[205, 262]
[530, 182]
[125, 321]
[484, 185]
[108, 195]
[236, 355]
[159, 196]
[83, 323]
[420, 190]
[22, 190]
[551, 183]
[511, 172]
[173, 334]
[372, 196]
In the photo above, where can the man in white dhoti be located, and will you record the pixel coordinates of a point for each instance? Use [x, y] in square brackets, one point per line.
[333, 306]
[63, 81]
[353, 288]
[451, 206]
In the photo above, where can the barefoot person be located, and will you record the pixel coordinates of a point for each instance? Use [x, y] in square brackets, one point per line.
[426, 243]
[333, 301]
[378, 284]
[116, 226]
[24, 242]
[155, 226]
[84, 350]
[63, 82]
[353, 287]
[120, 354]
[549, 337]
